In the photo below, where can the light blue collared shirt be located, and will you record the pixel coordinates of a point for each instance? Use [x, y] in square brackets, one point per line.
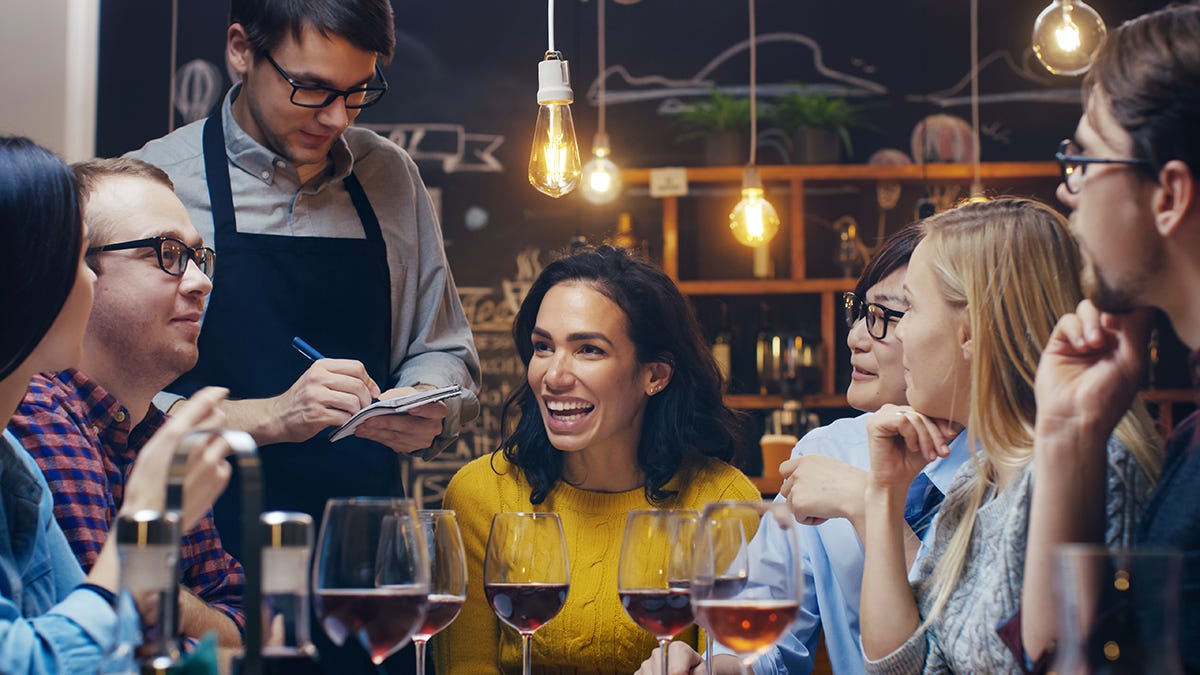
[833, 560]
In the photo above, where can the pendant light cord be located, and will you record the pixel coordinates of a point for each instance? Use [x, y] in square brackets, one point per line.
[753, 90]
[976, 185]
[550, 26]
[600, 57]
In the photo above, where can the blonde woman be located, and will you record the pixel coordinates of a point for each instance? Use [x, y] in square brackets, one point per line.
[985, 288]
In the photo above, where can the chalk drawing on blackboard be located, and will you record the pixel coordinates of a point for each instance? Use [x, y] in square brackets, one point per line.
[450, 144]
[954, 95]
[490, 311]
[631, 89]
[197, 88]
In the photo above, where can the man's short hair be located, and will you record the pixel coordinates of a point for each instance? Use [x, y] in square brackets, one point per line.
[366, 24]
[89, 174]
[1149, 70]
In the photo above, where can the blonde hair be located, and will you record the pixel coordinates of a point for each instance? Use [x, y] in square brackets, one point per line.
[1012, 264]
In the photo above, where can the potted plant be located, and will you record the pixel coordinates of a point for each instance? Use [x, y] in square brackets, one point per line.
[818, 124]
[722, 121]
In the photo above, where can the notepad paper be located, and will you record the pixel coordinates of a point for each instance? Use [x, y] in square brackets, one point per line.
[394, 406]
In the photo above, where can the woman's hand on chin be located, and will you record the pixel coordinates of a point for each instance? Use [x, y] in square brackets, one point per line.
[902, 442]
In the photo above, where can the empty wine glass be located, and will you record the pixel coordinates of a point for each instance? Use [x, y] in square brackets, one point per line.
[371, 573]
[746, 604]
[447, 576]
[1118, 611]
[526, 575]
[654, 572]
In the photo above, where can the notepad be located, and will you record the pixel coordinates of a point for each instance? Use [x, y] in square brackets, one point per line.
[394, 406]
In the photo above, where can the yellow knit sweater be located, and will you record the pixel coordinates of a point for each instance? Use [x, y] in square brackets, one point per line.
[592, 634]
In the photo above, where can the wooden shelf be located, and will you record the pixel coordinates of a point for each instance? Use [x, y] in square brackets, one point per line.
[797, 176]
[765, 286]
[1168, 396]
[849, 172]
[772, 402]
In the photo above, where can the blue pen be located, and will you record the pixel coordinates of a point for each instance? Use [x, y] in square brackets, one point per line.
[312, 354]
[306, 349]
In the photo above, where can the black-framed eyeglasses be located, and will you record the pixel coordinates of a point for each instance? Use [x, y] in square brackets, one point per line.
[877, 316]
[173, 255]
[317, 96]
[1073, 165]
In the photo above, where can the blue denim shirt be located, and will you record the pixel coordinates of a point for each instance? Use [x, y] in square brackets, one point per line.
[46, 625]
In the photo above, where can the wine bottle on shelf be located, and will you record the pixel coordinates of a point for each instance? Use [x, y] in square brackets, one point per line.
[767, 354]
[722, 348]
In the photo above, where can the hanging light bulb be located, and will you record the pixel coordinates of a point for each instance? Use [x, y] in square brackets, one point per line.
[1066, 36]
[601, 178]
[754, 221]
[554, 159]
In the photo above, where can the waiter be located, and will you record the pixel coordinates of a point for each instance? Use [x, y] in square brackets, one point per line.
[324, 232]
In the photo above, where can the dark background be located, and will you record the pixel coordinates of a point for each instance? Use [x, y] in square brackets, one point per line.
[473, 64]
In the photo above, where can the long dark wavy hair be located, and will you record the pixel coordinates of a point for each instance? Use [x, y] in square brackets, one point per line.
[684, 423]
[42, 234]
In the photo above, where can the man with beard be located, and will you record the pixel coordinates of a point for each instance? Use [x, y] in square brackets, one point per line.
[1130, 177]
[86, 426]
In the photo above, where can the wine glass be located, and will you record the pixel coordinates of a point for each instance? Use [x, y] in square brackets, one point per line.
[526, 575]
[1118, 611]
[655, 570]
[447, 578]
[371, 573]
[746, 604]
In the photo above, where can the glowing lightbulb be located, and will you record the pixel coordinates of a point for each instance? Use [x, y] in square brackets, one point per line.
[1066, 36]
[754, 221]
[554, 159]
[601, 177]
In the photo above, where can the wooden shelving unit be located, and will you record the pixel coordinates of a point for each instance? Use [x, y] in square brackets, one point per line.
[829, 289]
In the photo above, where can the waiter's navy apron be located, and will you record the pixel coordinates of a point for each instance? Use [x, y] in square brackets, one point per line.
[336, 294]
[333, 292]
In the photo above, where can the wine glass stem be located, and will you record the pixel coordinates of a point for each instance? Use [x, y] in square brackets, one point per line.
[526, 657]
[663, 644]
[708, 654]
[419, 646]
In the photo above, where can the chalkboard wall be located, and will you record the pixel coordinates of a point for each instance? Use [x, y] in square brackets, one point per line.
[462, 101]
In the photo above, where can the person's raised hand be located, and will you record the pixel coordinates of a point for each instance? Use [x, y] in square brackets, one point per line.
[818, 488]
[902, 442]
[1090, 370]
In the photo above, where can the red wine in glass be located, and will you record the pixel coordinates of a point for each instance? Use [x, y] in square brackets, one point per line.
[526, 607]
[381, 618]
[663, 613]
[447, 576]
[442, 611]
[526, 574]
[371, 573]
[654, 572]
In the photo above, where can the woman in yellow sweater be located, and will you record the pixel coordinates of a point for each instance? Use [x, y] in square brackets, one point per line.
[621, 410]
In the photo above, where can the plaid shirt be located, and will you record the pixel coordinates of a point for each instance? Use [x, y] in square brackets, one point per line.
[81, 438]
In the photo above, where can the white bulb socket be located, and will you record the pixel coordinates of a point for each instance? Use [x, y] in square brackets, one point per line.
[554, 81]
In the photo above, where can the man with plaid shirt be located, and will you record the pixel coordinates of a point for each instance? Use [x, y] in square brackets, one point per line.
[85, 427]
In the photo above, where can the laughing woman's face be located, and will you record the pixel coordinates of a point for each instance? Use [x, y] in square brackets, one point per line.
[590, 387]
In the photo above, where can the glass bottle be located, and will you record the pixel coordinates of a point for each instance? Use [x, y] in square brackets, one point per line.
[286, 546]
[722, 348]
[148, 546]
